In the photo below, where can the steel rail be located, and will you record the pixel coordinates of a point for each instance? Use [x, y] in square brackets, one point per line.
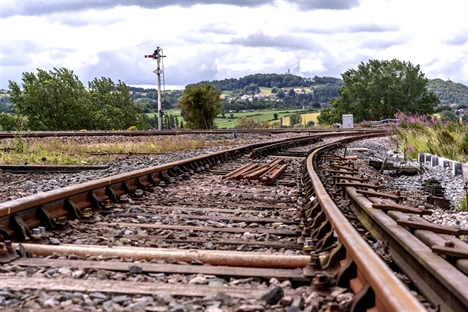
[43, 134]
[21, 214]
[390, 292]
[438, 280]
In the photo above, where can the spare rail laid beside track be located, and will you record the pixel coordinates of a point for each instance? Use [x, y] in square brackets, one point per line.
[336, 253]
[431, 256]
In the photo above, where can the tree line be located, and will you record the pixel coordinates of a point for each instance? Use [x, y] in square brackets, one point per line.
[272, 80]
[57, 100]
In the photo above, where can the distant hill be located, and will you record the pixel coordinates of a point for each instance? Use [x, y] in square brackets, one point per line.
[256, 92]
[274, 80]
[449, 92]
[320, 89]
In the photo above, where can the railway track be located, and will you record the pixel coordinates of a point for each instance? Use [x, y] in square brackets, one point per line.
[249, 229]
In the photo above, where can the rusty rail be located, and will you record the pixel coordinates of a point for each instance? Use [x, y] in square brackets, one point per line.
[18, 217]
[390, 293]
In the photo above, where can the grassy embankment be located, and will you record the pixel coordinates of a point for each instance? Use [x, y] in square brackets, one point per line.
[418, 134]
[57, 151]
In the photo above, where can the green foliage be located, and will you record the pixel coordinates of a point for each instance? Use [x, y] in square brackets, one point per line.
[462, 204]
[250, 123]
[449, 92]
[378, 90]
[202, 103]
[419, 134]
[310, 124]
[20, 143]
[448, 115]
[295, 119]
[57, 100]
[54, 100]
[9, 122]
[112, 106]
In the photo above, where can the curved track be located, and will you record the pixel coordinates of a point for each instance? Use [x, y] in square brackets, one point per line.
[335, 252]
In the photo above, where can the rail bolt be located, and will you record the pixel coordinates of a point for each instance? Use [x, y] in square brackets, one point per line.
[107, 204]
[139, 192]
[410, 217]
[457, 224]
[162, 183]
[87, 212]
[308, 244]
[312, 267]
[36, 233]
[321, 281]
[42, 231]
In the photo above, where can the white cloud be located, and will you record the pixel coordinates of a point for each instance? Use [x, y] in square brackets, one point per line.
[217, 39]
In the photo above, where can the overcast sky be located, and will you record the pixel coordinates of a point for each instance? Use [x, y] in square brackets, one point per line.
[218, 39]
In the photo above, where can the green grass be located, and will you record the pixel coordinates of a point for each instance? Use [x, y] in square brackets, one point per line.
[60, 151]
[418, 134]
[264, 90]
[230, 123]
[262, 115]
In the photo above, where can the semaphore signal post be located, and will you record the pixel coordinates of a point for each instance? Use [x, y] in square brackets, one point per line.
[158, 56]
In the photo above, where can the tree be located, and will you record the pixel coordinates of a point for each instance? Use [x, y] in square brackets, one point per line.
[280, 94]
[295, 119]
[448, 115]
[57, 100]
[275, 116]
[113, 107]
[202, 103]
[378, 90]
[54, 100]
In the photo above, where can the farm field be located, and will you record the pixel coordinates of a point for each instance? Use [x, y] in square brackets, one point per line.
[305, 118]
[262, 115]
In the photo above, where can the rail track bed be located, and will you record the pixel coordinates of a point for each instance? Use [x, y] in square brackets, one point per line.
[249, 229]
